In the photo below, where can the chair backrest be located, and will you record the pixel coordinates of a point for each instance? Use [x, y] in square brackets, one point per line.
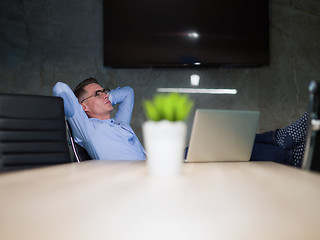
[311, 159]
[80, 154]
[32, 131]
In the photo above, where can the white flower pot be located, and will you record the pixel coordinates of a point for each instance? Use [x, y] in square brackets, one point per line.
[165, 145]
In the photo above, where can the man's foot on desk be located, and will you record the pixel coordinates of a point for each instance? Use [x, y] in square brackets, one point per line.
[297, 154]
[291, 136]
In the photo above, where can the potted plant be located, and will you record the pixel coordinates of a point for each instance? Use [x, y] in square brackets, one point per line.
[165, 132]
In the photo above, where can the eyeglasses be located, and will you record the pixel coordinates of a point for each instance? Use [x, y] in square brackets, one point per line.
[98, 93]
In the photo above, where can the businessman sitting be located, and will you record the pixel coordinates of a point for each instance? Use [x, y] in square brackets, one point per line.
[88, 110]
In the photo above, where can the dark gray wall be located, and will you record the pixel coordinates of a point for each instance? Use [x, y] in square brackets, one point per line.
[45, 41]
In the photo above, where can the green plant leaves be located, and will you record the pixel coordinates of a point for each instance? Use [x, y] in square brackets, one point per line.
[151, 111]
[172, 107]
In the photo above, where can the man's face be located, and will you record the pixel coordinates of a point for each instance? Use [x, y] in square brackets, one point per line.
[96, 106]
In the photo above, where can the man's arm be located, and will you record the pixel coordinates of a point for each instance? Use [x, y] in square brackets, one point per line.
[77, 118]
[125, 98]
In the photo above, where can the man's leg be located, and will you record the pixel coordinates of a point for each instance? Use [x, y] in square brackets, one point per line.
[267, 137]
[271, 152]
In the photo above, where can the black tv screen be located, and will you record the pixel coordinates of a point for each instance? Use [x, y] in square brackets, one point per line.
[184, 33]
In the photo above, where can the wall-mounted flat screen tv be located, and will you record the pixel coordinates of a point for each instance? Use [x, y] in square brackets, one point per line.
[185, 33]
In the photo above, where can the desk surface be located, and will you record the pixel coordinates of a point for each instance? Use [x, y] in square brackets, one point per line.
[119, 200]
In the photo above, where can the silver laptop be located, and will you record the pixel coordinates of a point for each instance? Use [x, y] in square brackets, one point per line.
[222, 135]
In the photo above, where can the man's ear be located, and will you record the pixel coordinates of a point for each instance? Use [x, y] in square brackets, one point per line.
[84, 107]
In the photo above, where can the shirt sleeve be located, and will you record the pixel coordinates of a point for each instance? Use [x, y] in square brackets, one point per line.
[125, 98]
[78, 119]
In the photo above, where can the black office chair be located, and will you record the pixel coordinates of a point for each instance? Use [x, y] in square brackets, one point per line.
[80, 154]
[32, 132]
[311, 159]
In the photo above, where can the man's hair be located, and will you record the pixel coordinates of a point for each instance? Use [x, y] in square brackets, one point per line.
[79, 90]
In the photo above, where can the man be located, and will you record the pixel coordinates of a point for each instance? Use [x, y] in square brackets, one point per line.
[88, 110]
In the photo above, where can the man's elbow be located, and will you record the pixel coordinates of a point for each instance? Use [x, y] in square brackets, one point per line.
[129, 90]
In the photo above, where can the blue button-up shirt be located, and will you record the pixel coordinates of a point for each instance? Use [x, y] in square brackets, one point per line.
[111, 139]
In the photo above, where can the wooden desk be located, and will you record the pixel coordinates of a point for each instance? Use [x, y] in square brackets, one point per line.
[119, 200]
